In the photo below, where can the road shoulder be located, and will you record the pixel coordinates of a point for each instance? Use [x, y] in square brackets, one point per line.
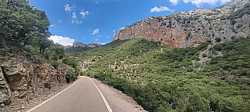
[118, 101]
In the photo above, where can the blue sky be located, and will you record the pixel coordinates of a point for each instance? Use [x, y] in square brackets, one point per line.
[96, 21]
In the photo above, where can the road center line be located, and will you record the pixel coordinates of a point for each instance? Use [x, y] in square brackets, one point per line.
[103, 98]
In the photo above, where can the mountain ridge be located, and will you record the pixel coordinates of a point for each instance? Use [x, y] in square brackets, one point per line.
[189, 29]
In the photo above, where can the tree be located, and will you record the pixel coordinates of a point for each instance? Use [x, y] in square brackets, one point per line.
[55, 52]
[20, 23]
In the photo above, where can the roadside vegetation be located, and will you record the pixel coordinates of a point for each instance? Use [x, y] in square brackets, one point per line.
[163, 79]
[24, 29]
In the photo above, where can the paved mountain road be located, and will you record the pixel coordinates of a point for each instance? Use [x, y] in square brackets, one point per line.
[87, 95]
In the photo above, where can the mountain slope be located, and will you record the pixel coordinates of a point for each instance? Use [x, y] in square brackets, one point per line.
[163, 79]
[189, 29]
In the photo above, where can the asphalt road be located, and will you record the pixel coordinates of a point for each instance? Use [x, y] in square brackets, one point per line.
[81, 96]
[88, 95]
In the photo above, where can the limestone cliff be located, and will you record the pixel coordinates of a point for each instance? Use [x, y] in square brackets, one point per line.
[188, 29]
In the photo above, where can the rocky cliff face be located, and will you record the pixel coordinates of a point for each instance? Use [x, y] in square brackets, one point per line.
[22, 78]
[189, 29]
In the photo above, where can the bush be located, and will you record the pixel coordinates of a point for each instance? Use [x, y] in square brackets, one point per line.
[55, 64]
[71, 75]
[72, 62]
[163, 79]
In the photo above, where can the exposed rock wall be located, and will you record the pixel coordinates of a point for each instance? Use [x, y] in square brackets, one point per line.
[22, 78]
[188, 29]
[5, 92]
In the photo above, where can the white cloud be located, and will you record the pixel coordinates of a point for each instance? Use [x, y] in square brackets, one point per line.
[95, 32]
[74, 16]
[159, 9]
[200, 2]
[122, 28]
[103, 43]
[65, 41]
[67, 8]
[174, 1]
[52, 25]
[75, 19]
[84, 13]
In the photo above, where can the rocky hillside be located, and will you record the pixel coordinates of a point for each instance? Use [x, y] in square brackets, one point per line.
[187, 29]
[23, 77]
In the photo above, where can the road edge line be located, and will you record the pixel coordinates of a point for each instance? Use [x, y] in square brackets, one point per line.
[101, 94]
[54, 96]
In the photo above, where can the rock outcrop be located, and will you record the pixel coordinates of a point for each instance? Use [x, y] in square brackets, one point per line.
[189, 29]
[5, 92]
[22, 77]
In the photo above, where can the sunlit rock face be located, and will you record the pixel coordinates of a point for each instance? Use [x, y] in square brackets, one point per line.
[23, 77]
[189, 29]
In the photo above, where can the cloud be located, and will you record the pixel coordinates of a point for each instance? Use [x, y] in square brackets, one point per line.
[174, 1]
[76, 15]
[122, 28]
[75, 19]
[65, 41]
[95, 32]
[200, 2]
[84, 13]
[157, 9]
[52, 25]
[67, 8]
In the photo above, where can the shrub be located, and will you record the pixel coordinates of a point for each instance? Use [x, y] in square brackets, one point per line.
[71, 75]
[164, 79]
[72, 62]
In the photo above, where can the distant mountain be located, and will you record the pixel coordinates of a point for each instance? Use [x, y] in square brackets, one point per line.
[82, 45]
[188, 29]
[79, 47]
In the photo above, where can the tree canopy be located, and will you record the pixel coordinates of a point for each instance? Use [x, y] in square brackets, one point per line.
[22, 25]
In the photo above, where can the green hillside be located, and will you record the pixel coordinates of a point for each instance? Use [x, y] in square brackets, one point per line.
[163, 79]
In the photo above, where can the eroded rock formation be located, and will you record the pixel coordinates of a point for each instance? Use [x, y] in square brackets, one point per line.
[188, 29]
[23, 78]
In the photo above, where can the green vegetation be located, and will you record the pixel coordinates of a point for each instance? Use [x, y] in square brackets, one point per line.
[25, 28]
[22, 25]
[71, 75]
[71, 61]
[164, 79]
[159, 78]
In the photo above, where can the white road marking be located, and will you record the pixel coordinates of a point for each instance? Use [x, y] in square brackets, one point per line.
[99, 91]
[34, 108]
[101, 94]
